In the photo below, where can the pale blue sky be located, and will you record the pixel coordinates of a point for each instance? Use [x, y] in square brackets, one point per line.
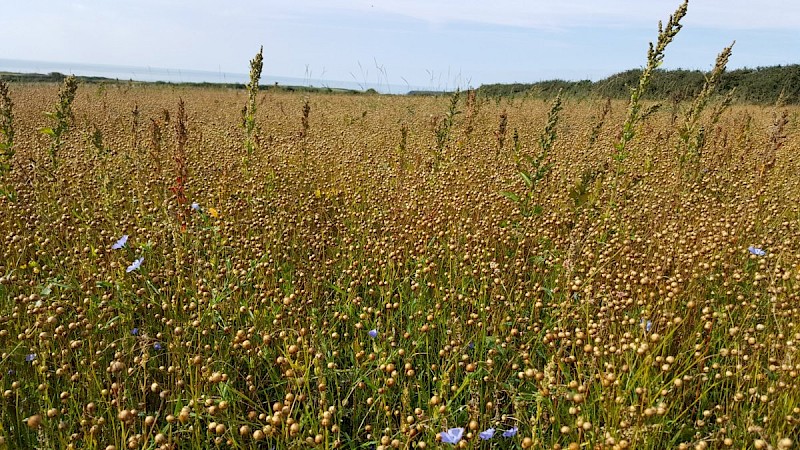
[426, 43]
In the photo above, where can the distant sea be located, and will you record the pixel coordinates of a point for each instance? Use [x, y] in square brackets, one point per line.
[184, 76]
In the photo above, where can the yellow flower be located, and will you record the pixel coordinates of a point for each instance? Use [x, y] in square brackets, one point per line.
[213, 213]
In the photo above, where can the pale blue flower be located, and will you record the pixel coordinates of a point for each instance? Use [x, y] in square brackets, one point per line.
[158, 346]
[486, 434]
[30, 357]
[196, 206]
[373, 333]
[452, 436]
[135, 331]
[120, 242]
[510, 433]
[646, 325]
[135, 265]
[756, 251]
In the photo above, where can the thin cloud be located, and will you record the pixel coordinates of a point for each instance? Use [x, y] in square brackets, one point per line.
[577, 38]
[724, 14]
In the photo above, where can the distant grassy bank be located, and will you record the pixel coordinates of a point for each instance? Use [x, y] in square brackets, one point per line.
[57, 77]
[763, 85]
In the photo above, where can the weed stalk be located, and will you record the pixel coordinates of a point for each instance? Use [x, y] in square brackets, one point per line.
[655, 57]
[6, 129]
[691, 133]
[533, 169]
[445, 126]
[181, 166]
[500, 133]
[249, 110]
[62, 116]
[304, 119]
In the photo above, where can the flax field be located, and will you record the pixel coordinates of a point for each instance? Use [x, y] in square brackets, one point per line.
[327, 270]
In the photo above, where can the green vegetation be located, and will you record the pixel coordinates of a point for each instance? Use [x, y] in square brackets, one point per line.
[6, 129]
[55, 77]
[692, 133]
[760, 86]
[61, 118]
[533, 169]
[443, 125]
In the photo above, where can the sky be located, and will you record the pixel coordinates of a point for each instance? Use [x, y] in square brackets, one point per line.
[437, 44]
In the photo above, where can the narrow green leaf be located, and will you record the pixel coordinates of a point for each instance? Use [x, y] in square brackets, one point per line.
[511, 196]
[526, 178]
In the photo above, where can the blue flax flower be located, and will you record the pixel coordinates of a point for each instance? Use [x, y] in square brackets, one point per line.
[373, 333]
[756, 251]
[120, 242]
[30, 357]
[452, 436]
[510, 433]
[135, 265]
[486, 434]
